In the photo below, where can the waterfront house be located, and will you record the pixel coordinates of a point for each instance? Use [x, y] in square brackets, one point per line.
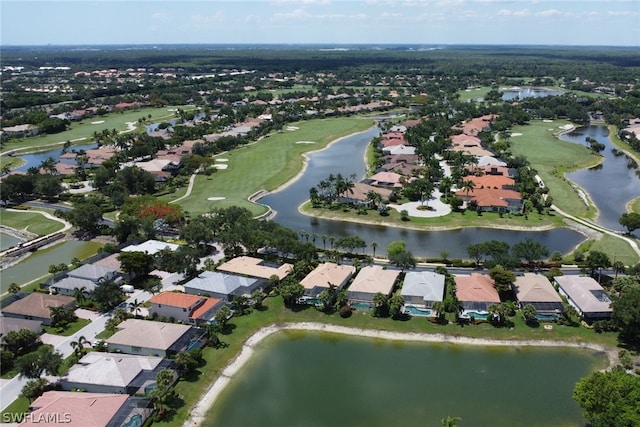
[322, 277]
[225, 286]
[586, 295]
[255, 267]
[185, 308]
[100, 372]
[65, 408]
[85, 277]
[493, 200]
[147, 337]
[37, 306]
[476, 292]
[420, 290]
[537, 290]
[369, 281]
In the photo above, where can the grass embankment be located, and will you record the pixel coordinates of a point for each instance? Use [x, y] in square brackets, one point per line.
[81, 132]
[633, 205]
[241, 328]
[266, 164]
[29, 221]
[617, 249]
[552, 158]
[451, 221]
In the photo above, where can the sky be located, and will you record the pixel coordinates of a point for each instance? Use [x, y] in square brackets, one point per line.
[426, 22]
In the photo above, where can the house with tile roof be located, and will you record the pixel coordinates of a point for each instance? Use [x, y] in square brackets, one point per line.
[537, 290]
[151, 338]
[9, 324]
[255, 267]
[369, 281]
[360, 194]
[37, 305]
[65, 408]
[185, 308]
[86, 277]
[586, 295]
[493, 200]
[476, 292]
[225, 286]
[385, 180]
[322, 276]
[118, 373]
[420, 290]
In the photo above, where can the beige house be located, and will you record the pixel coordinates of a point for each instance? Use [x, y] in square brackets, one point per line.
[37, 306]
[537, 290]
[586, 295]
[371, 280]
[255, 267]
[322, 276]
[476, 292]
[149, 338]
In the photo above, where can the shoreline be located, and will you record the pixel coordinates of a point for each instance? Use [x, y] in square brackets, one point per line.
[208, 399]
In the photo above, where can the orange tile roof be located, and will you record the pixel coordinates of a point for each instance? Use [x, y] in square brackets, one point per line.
[491, 181]
[65, 408]
[476, 287]
[208, 304]
[175, 299]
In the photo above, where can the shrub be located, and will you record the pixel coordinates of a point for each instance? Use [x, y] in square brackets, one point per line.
[345, 311]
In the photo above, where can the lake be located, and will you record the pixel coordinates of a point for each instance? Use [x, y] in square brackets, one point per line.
[617, 171]
[300, 378]
[346, 156]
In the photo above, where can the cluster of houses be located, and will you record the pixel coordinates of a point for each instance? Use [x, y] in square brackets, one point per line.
[116, 384]
[476, 292]
[494, 186]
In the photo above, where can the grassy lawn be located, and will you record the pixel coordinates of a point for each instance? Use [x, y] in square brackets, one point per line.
[552, 158]
[451, 221]
[71, 329]
[82, 132]
[267, 164]
[243, 327]
[29, 221]
[615, 248]
[477, 92]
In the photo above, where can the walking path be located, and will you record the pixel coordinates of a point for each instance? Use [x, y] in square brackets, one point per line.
[633, 243]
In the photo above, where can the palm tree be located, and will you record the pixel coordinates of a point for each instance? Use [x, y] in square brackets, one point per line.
[14, 288]
[49, 165]
[439, 308]
[374, 245]
[324, 242]
[78, 346]
[134, 307]
[78, 294]
[467, 186]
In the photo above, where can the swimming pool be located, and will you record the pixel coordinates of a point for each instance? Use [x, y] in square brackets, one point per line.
[415, 311]
[364, 306]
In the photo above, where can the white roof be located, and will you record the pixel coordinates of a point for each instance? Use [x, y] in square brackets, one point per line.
[112, 369]
[426, 284]
[148, 334]
[586, 293]
[151, 247]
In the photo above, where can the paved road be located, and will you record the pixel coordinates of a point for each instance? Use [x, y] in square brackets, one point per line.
[63, 208]
[10, 389]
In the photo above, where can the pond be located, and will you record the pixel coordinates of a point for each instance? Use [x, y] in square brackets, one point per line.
[617, 171]
[35, 159]
[346, 156]
[509, 94]
[37, 264]
[301, 378]
[7, 241]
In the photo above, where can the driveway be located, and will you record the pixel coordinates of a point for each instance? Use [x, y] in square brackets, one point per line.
[435, 207]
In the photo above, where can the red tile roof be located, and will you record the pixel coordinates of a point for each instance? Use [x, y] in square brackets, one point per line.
[175, 299]
[476, 287]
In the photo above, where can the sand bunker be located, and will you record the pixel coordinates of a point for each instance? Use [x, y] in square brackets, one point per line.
[547, 121]
[220, 166]
[292, 128]
[305, 142]
[566, 127]
[213, 199]
[222, 160]
[516, 134]
[99, 122]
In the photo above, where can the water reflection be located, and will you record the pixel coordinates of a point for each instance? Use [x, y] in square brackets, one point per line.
[347, 157]
[616, 171]
[35, 159]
